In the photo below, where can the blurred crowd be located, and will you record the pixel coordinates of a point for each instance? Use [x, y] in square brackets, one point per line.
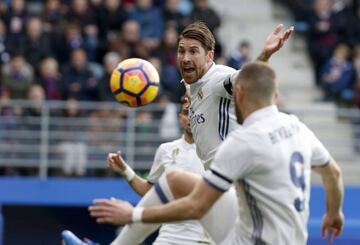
[69, 47]
[65, 50]
[332, 28]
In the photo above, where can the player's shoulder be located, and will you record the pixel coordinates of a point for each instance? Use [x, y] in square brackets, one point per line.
[223, 70]
[169, 146]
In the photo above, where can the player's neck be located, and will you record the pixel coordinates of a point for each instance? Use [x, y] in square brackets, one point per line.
[188, 138]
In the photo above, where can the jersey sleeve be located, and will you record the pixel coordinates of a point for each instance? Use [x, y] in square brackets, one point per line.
[161, 159]
[232, 162]
[224, 88]
[320, 155]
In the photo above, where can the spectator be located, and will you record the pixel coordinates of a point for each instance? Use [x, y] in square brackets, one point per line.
[50, 79]
[111, 60]
[202, 11]
[73, 150]
[336, 75]
[150, 20]
[322, 39]
[79, 80]
[52, 16]
[172, 16]
[71, 39]
[82, 13]
[36, 44]
[15, 21]
[110, 18]
[125, 42]
[356, 63]
[241, 56]
[4, 55]
[17, 77]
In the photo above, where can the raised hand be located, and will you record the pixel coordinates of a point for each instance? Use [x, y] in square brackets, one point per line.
[332, 226]
[116, 163]
[275, 41]
[111, 211]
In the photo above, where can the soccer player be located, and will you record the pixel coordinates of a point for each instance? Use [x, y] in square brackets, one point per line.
[269, 160]
[180, 154]
[212, 109]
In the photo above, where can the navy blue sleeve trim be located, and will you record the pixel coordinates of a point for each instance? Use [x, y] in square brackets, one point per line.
[221, 176]
[213, 185]
[228, 86]
[160, 193]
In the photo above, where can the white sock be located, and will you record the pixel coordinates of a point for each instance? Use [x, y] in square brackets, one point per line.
[135, 233]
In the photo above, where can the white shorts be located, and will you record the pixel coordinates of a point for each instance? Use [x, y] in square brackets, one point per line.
[221, 218]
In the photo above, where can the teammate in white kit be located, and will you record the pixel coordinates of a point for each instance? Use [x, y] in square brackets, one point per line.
[269, 160]
[180, 154]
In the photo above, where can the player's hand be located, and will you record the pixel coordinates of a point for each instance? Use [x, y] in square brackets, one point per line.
[112, 211]
[275, 41]
[116, 163]
[332, 226]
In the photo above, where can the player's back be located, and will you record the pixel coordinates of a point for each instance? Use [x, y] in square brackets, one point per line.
[212, 110]
[274, 194]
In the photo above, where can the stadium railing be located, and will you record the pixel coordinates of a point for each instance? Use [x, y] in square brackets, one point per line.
[77, 136]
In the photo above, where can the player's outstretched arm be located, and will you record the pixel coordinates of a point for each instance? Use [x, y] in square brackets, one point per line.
[274, 42]
[118, 165]
[333, 219]
[193, 206]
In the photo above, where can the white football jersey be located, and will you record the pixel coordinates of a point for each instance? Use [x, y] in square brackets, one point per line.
[178, 154]
[269, 160]
[212, 110]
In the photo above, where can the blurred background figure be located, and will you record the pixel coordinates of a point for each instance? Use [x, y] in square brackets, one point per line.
[240, 56]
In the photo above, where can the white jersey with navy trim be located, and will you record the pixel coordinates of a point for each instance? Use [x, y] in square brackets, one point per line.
[269, 160]
[178, 154]
[212, 110]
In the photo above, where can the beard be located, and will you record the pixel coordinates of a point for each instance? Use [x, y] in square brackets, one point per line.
[239, 116]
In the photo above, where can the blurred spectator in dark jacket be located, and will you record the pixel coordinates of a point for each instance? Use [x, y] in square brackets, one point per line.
[53, 15]
[4, 55]
[337, 76]
[172, 15]
[126, 41]
[79, 80]
[36, 44]
[82, 13]
[110, 18]
[50, 79]
[17, 77]
[356, 62]
[202, 11]
[111, 60]
[15, 20]
[150, 20]
[241, 56]
[168, 47]
[322, 35]
[72, 39]
[348, 25]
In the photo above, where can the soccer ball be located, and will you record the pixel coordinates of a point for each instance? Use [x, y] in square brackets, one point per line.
[134, 82]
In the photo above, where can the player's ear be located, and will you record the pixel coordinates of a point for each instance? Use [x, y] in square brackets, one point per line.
[210, 55]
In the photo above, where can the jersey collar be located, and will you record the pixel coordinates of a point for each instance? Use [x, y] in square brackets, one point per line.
[186, 144]
[259, 114]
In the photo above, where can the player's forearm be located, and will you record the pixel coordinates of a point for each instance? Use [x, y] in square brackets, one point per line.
[140, 185]
[182, 209]
[334, 189]
[264, 56]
